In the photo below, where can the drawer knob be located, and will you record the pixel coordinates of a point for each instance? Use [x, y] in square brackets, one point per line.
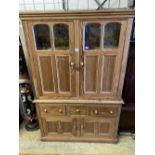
[45, 110]
[81, 126]
[60, 110]
[96, 111]
[78, 110]
[111, 112]
[74, 126]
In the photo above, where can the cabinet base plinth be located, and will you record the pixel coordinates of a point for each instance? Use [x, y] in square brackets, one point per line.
[106, 140]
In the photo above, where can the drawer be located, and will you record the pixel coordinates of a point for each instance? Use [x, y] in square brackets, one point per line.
[104, 111]
[78, 110]
[55, 110]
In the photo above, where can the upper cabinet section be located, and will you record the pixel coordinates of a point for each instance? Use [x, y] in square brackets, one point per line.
[112, 35]
[52, 37]
[92, 44]
[42, 36]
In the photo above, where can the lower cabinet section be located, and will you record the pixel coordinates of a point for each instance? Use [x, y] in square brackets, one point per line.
[79, 123]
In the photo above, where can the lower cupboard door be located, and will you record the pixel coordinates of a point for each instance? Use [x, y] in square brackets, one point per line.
[98, 127]
[106, 127]
[58, 126]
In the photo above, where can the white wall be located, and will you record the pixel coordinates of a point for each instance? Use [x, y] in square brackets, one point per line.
[53, 5]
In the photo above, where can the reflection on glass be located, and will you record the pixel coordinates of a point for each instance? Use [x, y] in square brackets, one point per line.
[92, 36]
[42, 36]
[111, 35]
[61, 36]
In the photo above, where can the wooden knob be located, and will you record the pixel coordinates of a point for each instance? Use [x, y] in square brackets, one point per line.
[74, 126]
[45, 110]
[81, 126]
[81, 64]
[77, 110]
[60, 110]
[111, 112]
[96, 111]
[72, 64]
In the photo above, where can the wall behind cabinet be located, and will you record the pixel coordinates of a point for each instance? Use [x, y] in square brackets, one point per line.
[27, 5]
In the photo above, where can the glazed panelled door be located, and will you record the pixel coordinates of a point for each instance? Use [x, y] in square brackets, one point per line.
[102, 49]
[52, 52]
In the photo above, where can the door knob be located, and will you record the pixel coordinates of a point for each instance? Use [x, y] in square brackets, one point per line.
[95, 111]
[45, 110]
[74, 126]
[111, 112]
[81, 64]
[72, 64]
[60, 110]
[81, 126]
[78, 110]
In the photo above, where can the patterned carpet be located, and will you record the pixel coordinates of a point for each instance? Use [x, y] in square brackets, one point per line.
[30, 144]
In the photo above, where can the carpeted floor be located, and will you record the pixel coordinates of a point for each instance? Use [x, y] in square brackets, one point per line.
[30, 144]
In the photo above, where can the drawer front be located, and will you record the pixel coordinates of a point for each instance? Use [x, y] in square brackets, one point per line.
[52, 110]
[104, 111]
[78, 110]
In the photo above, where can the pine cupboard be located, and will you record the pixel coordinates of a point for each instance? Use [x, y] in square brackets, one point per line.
[77, 63]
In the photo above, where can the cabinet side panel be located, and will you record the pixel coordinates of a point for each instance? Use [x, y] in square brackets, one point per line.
[125, 56]
[29, 57]
[40, 121]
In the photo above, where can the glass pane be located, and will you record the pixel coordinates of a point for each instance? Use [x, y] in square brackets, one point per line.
[42, 36]
[111, 35]
[61, 36]
[92, 36]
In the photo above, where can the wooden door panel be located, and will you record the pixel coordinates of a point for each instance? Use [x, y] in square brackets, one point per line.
[54, 78]
[97, 127]
[104, 128]
[107, 127]
[57, 126]
[107, 73]
[89, 128]
[46, 74]
[102, 62]
[63, 74]
[51, 126]
[67, 127]
[91, 73]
